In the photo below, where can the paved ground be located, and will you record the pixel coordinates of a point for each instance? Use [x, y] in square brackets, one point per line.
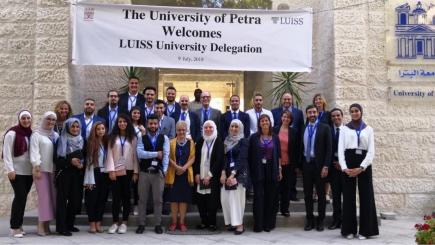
[399, 231]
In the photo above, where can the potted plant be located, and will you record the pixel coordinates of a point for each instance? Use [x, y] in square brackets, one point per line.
[288, 82]
[127, 72]
[426, 232]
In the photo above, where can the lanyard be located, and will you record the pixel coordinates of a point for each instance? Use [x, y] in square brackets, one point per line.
[122, 144]
[183, 116]
[208, 148]
[319, 117]
[358, 132]
[311, 130]
[153, 140]
[132, 101]
[89, 123]
[112, 115]
[169, 112]
[258, 114]
[265, 143]
[231, 156]
[102, 150]
[148, 112]
[180, 150]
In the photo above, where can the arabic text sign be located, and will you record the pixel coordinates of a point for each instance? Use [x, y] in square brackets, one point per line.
[221, 39]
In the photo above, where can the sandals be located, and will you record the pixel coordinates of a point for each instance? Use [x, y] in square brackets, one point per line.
[172, 227]
[183, 228]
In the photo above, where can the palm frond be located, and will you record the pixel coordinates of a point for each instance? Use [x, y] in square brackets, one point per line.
[288, 82]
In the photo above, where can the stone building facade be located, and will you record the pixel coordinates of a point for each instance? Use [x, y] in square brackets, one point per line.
[351, 63]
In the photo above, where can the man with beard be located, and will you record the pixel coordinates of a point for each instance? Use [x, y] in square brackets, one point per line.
[257, 111]
[171, 105]
[132, 97]
[234, 113]
[111, 110]
[166, 124]
[88, 118]
[148, 107]
[192, 120]
[317, 152]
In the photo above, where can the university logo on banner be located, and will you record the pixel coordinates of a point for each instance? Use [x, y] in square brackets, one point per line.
[88, 14]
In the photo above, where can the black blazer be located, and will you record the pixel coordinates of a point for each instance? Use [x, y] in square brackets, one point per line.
[104, 113]
[240, 158]
[255, 164]
[195, 128]
[326, 118]
[216, 162]
[123, 101]
[226, 119]
[322, 145]
[293, 144]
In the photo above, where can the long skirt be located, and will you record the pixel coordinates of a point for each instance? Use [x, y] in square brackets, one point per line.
[46, 196]
[233, 205]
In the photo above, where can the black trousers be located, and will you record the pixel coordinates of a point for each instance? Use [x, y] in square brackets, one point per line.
[121, 193]
[21, 186]
[96, 198]
[284, 189]
[69, 185]
[311, 177]
[335, 179]
[292, 182]
[265, 205]
[207, 207]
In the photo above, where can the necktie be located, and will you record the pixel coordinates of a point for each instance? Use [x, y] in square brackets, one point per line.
[183, 116]
[205, 116]
[337, 134]
[308, 150]
[234, 115]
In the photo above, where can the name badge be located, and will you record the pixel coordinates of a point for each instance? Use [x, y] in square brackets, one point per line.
[336, 154]
[154, 163]
[232, 164]
[358, 151]
[264, 160]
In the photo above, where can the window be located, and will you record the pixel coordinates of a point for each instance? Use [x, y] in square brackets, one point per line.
[403, 19]
[419, 47]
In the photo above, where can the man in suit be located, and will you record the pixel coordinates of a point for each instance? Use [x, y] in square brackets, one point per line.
[88, 118]
[171, 105]
[192, 120]
[166, 124]
[148, 107]
[206, 112]
[298, 124]
[257, 111]
[132, 97]
[234, 113]
[335, 169]
[317, 152]
[111, 110]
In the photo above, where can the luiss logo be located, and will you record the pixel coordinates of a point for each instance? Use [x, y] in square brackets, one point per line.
[89, 14]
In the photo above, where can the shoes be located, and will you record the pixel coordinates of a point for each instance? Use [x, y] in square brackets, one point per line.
[328, 199]
[320, 225]
[266, 229]
[285, 214]
[183, 228]
[334, 225]
[16, 233]
[92, 231]
[100, 230]
[361, 237]
[231, 228]
[65, 233]
[113, 229]
[140, 229]
[172, 227]
[212, 228]
[122, 229]
[201, 227]
[309, 224]
[74, 229]
[258, 230]
[350, 236]
[158, 229]
[237, 232]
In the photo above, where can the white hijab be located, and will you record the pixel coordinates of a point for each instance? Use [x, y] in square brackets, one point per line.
[213, 135]
[43, 129]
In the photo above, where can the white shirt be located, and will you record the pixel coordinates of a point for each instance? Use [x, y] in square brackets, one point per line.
[89, 121]
[21, 164]
[132, 98]
[253, 118]
[349, 140]
[313, 139]
[41, 152]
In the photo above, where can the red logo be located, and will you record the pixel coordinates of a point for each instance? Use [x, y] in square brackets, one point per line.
[89, 14]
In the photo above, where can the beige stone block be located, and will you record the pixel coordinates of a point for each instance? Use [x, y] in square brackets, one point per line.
[349, 33]
[377, 18]
[347, 76]
[350, 18]
[17, 76]
[53, 14]
[52, 91]
[53, 29]
[377, 64]
[404, 185]
[376, 47]
[17, 30]
[376, 5]
[16, 14]
[16, 92]
[5, 204]
[377, 32]
[378, 77]
[350, 47]
[421, 203]
[350, 4]
[351, 93]
[7, 121]
[401, 124]
[16, 60]
[377, 93]
[52, 3]
[43, 105]
[52, 44]
[17, 3]
[45, 60]
[389, 202]
[52, 76]
[20, 45]
[349, 61]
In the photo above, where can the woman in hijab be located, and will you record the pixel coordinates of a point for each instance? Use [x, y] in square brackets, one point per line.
[69, 164]
[356, 149]
[17, 165]
[233, 177]
[265, 170]
[207, 170]
[42, 150]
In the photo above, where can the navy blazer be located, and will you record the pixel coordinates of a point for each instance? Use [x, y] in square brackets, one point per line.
[240, 158]
[325, 118]
[81, 117]
[104, 113]
[195, 128]
[123, 101]
[226, 119]
[256, 169]
[177, 109]
[322, 145]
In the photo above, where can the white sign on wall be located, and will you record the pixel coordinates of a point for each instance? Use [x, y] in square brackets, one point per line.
[195, 38]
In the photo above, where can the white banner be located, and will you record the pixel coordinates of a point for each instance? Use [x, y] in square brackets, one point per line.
[193, 38]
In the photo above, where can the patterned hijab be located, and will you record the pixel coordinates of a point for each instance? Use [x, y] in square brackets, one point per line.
[232, 140]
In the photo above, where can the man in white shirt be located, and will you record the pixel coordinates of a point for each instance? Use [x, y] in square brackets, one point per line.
[166, 124]
[132, 97]
[257, 111]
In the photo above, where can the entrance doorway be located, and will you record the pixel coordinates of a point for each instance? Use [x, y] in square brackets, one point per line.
[221, 85]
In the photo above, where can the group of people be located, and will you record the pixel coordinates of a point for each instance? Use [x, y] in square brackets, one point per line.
[187, 152]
